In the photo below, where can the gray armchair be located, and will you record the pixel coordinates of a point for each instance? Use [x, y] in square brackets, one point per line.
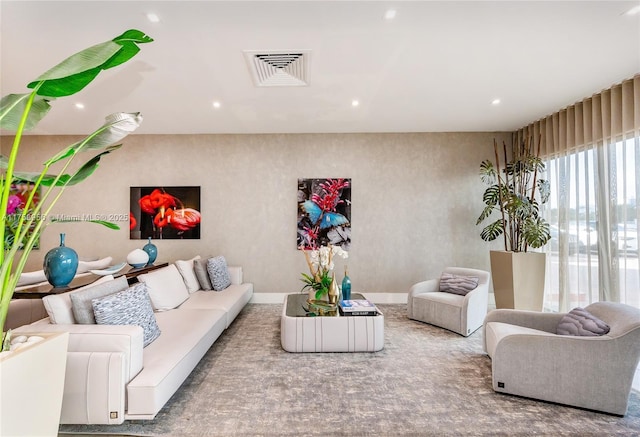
[530, 360]
[460, 314]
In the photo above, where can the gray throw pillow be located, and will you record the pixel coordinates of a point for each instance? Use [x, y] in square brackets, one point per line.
[456, 284]
[581, 322]
[218, 273]
[81, 300]
[200, 267]
[129, 307]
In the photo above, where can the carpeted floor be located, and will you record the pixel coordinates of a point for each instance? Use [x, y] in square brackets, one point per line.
[427, 381]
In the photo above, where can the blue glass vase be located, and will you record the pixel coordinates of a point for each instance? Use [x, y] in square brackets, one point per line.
[151, 250]
[60, 265]
[346, 285]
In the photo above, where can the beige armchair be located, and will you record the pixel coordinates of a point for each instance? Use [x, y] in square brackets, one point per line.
[460, 314]
[530, 360]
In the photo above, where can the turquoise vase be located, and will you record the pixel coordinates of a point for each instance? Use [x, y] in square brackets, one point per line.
[60, 265]
[151, 250]
[346, 285]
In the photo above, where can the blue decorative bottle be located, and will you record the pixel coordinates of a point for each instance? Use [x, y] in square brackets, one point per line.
[346, 285]
[60, 265]
[151, 250]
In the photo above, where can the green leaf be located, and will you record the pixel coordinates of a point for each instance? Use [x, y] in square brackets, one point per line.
[117, 126]
[78, 70]
[82, 173]
[486, 212]
[491, 196]
[492, 231]
[536, 232]
[544, 187]
[107, 224]
[12, 107]
[488, 173]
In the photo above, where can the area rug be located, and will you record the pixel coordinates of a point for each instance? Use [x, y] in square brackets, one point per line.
[426, 381]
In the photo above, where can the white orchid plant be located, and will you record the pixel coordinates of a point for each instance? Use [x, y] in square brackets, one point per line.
[320, 262]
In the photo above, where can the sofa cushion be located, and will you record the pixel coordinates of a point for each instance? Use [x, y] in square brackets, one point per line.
[231, 300]
[186, 269]
[166, 287]
[81, 300]
[129, 307]
[457, 284]
[581, 322]
[186, 336]
[59, 307]
[218, 273]
[200, 268]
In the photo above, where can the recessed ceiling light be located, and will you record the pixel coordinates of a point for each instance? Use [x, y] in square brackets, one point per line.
[153, 17]
[79, 105]
[633, 11]
[495, 102]
[216, 104]
[390, 14]
[355, 103]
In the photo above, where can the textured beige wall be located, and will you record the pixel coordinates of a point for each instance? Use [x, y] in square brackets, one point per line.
[416, 197]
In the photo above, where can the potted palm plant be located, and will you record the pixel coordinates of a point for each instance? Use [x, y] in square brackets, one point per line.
[37, 363]
[516, 190]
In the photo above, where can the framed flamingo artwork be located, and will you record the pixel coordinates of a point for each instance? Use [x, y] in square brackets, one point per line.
[324, 213]
[164, 213]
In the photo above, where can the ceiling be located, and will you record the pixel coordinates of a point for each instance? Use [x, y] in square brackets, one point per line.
[435, 67]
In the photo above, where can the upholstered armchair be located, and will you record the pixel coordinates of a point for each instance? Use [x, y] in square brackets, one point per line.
[594, 372]
[459, 313]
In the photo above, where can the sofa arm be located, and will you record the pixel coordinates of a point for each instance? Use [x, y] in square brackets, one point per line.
[589, 372]
[125, 339]
[94, 388]
[529, 319]
[235, 272]
[419, 288]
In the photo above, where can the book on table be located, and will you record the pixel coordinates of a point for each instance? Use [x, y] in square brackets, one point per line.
[358, 307]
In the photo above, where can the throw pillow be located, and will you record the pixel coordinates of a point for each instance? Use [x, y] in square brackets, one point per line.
[166, 287]
[581, 322]
[200, 267]
[218, 273]
[59, 306]
[81, 300]
[129, 307]
[188, 273]
[457, 284]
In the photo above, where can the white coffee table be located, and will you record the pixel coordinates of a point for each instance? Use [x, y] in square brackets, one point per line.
[300, 333]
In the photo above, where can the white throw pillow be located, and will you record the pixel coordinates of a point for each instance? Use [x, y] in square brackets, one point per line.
[59, 306]
[188, 273]
[166, 287]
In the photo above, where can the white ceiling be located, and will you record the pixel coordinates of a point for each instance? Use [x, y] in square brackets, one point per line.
[436, 67]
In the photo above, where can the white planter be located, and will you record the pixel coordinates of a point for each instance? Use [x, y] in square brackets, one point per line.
[518, 279]
[32, 385]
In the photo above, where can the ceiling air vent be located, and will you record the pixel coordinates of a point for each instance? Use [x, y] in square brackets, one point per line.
[278, 68]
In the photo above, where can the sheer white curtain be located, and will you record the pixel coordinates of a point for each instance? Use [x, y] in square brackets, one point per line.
[592, 151]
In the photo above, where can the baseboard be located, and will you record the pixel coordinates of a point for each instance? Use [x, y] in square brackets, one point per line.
[397, 298]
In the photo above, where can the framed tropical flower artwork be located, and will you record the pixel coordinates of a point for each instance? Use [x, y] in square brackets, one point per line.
[164, 213]
[16, 207]
[324, 213]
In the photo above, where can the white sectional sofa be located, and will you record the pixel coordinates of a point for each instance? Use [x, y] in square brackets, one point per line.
[111, 377]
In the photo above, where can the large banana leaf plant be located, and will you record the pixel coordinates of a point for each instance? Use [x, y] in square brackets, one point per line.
[21, 112]
[515, 192]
